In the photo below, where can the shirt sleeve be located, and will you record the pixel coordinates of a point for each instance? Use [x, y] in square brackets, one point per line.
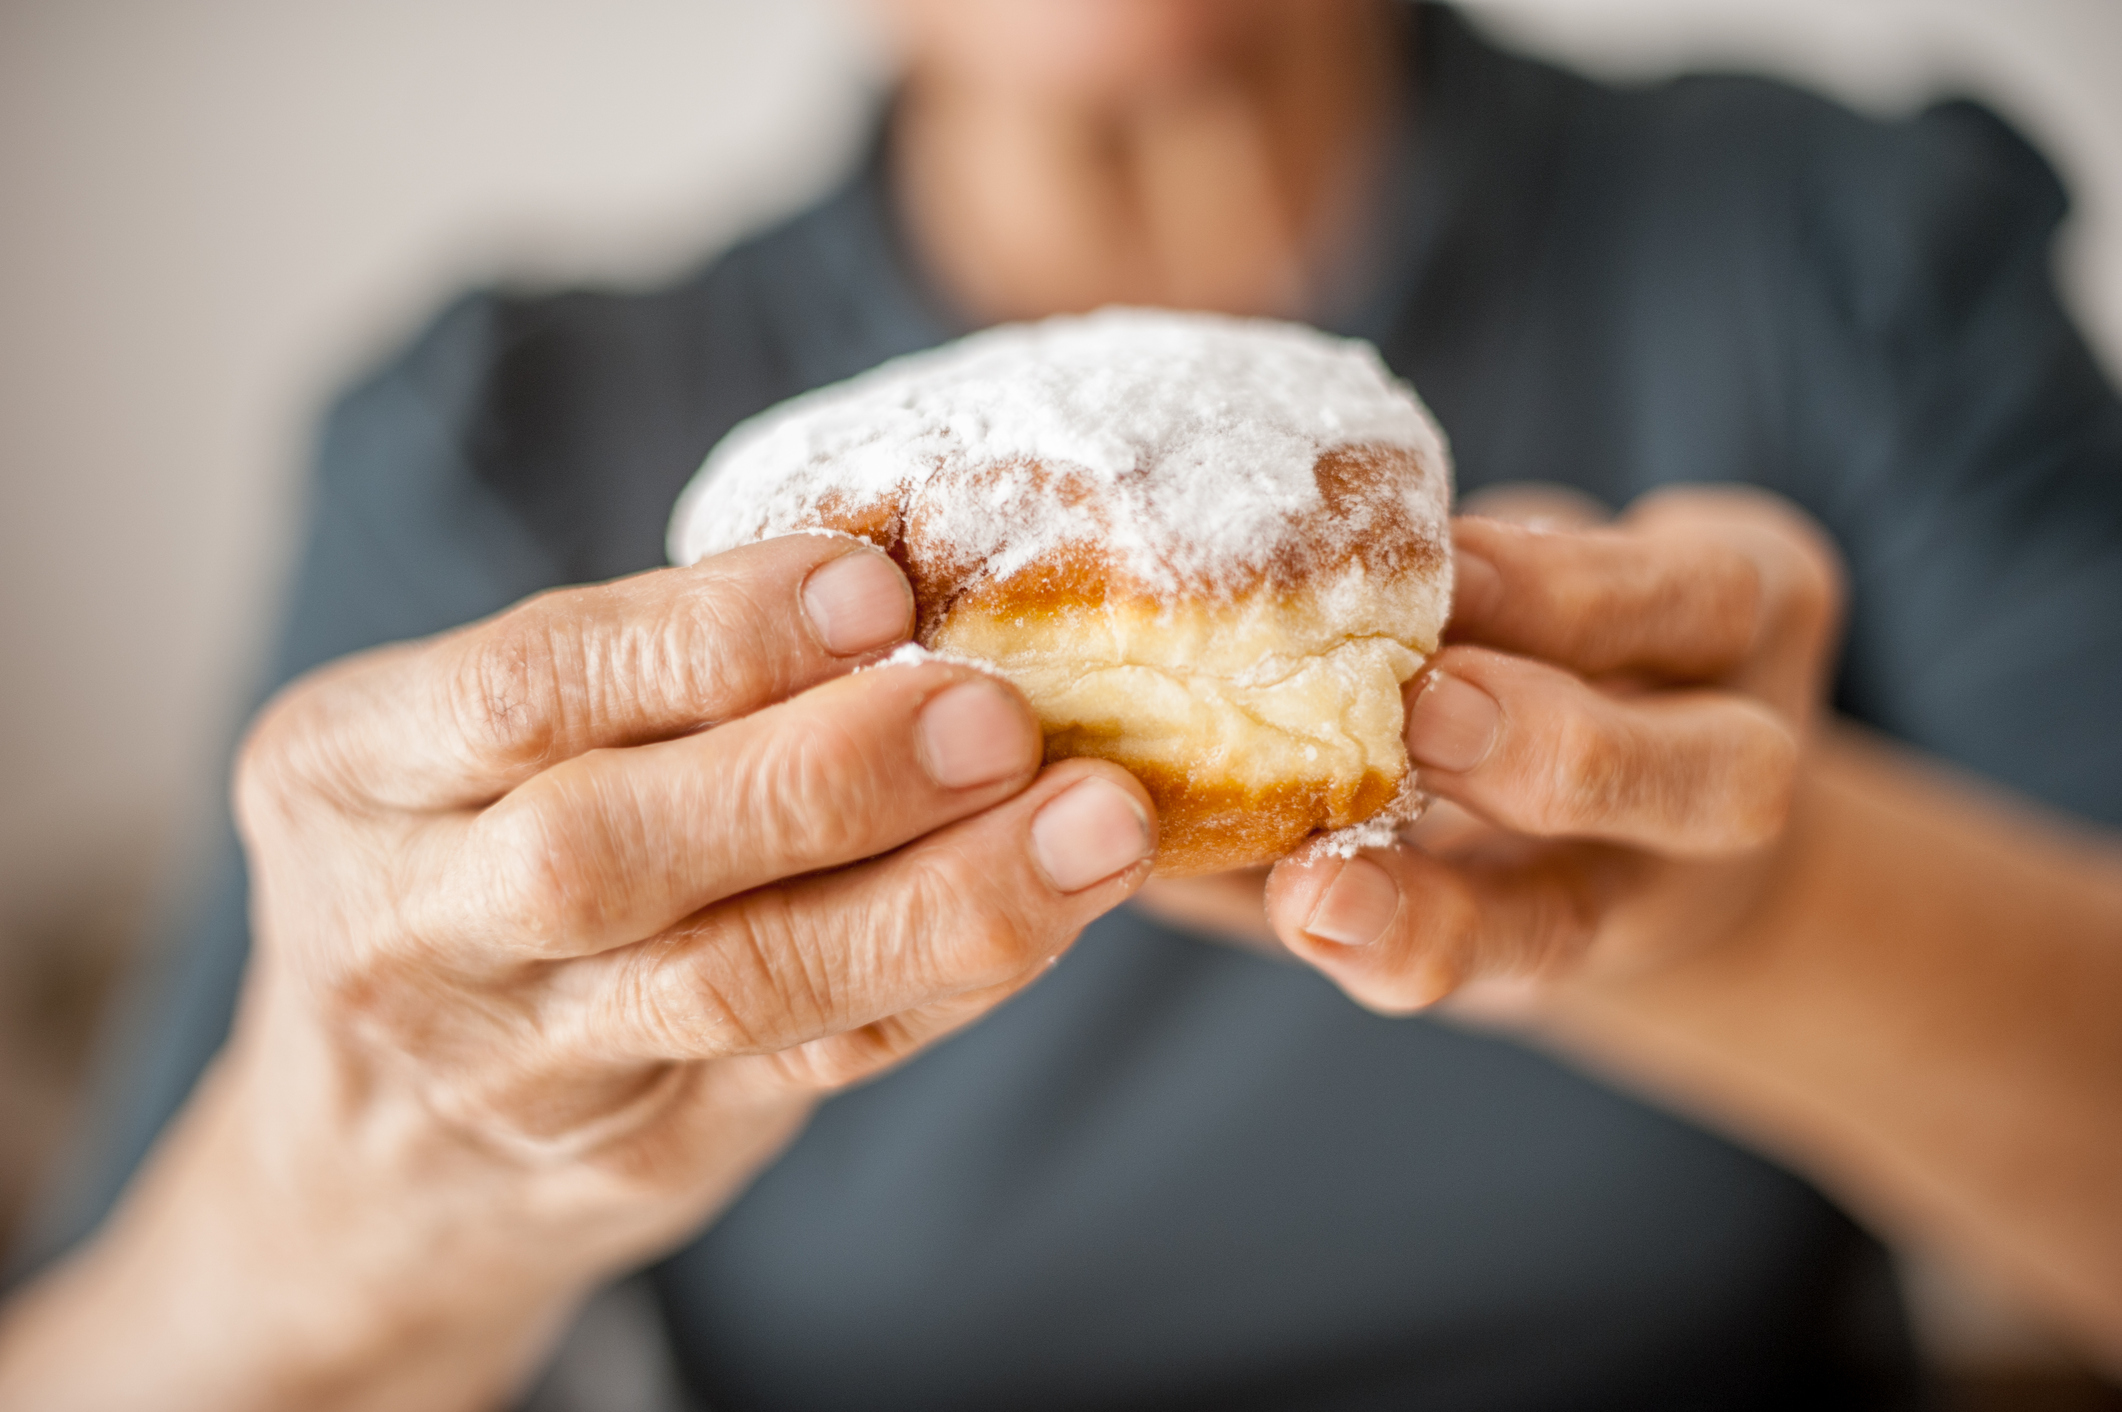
[1965, 447]
[404, 540]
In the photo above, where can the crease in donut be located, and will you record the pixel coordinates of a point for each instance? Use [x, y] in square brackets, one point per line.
[1336, 715]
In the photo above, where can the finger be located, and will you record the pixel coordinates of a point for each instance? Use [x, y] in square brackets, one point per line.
[460, 719]
[854, 1056]
[550, 1106]
[750, 1091]
[1536, 750]
[1604, 600]
[968, 908]
[1803, 583]
[616, 845]
[1399, 930]
[1537, 505]
[1698, 584]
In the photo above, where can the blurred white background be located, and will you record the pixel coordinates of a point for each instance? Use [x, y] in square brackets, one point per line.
[212, 211]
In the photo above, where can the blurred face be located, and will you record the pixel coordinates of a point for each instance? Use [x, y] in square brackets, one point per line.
[1094, 51]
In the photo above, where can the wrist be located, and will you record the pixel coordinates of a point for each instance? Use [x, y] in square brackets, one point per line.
[240, 1273]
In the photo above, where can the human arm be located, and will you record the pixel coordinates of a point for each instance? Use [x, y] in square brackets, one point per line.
[1902, 986]
[1929, 1023]
[546, 971]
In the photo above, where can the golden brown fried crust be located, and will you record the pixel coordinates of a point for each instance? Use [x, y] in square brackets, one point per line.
[1215, 824]
[1208, 820]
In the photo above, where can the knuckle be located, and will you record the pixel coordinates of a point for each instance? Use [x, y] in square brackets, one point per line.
[570, 662]
[294, 747]
[716, 648]
[1767, 784]
[1702, 601]
[1727, 597]
[1591, 774]
[1451, 947]
[263, 782]
[841, 1060]
[298, 797]
[965, 927]
[679, 1010]
[380, 998]
[575, 660]
[712, 649]
[805, 970]
[1797, 570]
[1445, 949]
[1574, 596]
[545, 885]
[506, 700]
[776, 971]
[1815, 593]
[807, 790]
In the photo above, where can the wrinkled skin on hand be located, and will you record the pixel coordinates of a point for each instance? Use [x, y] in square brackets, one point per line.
[565, 920]
[1613, 735]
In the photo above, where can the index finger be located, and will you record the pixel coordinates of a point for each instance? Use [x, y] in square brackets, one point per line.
[1726, 584]
[456, 721]
[1606, 599]
[968, 908]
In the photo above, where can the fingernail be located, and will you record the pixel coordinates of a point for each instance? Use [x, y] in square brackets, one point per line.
[1088, 832]
[1357, 906]
[975, 733]
[1452, 725]
[1477, 588]
[858, 602]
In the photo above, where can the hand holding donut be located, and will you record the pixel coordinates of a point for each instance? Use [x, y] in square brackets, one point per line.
[1615, 732]
[563, 923]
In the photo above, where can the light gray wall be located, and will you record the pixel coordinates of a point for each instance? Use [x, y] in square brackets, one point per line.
[210, 210]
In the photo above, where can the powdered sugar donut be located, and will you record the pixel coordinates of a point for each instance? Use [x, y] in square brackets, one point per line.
[1207, 549]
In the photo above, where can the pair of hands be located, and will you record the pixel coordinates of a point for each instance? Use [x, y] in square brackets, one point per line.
[565, 920]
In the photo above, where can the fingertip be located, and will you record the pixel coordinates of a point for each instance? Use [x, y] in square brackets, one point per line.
[1452, 724]
[1296, 887]
[1477, 588]
[1099, 826]
[977, 731]
[1357, 907]
[1353, 920]
[857, 601]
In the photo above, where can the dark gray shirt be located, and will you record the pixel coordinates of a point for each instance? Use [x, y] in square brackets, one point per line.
[1174, 1175]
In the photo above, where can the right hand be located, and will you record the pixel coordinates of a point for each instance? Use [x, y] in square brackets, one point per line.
[565, 920]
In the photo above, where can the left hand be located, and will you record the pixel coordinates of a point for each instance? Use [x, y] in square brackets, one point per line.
[1613, 736]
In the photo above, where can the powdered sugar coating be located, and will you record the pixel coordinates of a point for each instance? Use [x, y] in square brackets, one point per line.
[1196, 436]
[1380, 830]
[913, 654]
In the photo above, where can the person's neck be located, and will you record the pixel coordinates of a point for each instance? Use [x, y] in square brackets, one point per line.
[1235, 192]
